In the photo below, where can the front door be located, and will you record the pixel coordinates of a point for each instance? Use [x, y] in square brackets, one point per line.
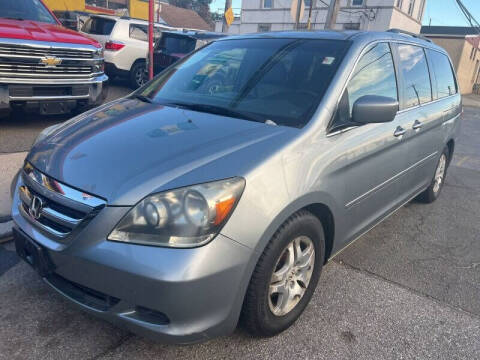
[371, 157]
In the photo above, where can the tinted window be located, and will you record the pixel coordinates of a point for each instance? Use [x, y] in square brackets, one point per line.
[443, 74]
[172, 44]
[98, 26]
[373, 75]
[281, 80]
[416, 79]
[25, 10]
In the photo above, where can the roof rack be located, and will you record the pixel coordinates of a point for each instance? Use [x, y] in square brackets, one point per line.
[417, 36]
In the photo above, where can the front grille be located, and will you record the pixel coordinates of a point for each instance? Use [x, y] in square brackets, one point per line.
[60, 71]
[55, 208]
[25, 50]
[48, 61]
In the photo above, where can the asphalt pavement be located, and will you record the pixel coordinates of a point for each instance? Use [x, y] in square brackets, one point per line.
[408, 289]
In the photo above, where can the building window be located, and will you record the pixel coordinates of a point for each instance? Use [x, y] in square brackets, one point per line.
[399, 4]
[411, 7]
[357, 2]
[264, 27]
[351, 26]
[267, 4]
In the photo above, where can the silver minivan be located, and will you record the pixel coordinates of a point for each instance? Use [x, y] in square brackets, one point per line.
[218, 190]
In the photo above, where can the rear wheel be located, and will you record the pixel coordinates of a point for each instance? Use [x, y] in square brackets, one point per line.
[138, 74]
[433, 191]
[285, 277]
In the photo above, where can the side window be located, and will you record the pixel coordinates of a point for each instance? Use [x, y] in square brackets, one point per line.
[139, 32]
[373, 75]
[443, 73]
[417, 88]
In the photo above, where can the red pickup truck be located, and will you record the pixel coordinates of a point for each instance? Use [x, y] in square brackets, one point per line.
[45, 67]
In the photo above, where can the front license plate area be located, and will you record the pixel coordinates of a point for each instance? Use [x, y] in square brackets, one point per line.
[53, 108]
[33, 253]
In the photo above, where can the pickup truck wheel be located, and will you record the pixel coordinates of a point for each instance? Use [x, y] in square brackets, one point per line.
[285, 277]
[138, 74]
[433, 191]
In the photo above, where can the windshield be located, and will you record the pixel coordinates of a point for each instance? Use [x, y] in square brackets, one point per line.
[274, 80]
[25, 10]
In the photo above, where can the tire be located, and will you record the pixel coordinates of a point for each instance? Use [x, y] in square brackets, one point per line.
[433, 191]
[136, 78]
[263, 313]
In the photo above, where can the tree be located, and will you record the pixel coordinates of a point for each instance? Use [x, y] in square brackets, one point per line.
[202, 7]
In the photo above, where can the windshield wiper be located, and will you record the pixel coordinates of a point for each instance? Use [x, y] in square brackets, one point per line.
[143, 98]
[217, 110]
[14, 18]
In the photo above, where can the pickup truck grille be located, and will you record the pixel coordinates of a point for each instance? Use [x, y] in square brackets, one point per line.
[38, 61]
[54, 208]
[25, 50]
[60, 71]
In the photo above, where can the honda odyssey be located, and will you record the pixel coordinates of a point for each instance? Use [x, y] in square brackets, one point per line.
[218, 190]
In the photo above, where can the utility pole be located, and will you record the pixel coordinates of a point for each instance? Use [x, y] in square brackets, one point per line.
[150, 39]
[228, 5]
[333, 9]
[297, 16]
[309, 22]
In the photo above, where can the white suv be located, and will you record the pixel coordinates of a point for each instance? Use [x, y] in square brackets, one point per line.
[125, 42]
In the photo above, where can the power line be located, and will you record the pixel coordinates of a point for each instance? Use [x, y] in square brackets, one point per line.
[470, 18]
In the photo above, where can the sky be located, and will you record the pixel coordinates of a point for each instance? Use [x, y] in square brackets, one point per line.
[442, 12]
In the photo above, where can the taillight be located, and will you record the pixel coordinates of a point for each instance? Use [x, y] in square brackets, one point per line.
[114, 45]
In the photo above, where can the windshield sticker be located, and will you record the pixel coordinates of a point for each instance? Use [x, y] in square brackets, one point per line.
[328, 60]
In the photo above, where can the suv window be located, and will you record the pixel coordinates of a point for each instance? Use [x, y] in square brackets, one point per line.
[373, 75]
[442, 73]
[176, 44]
[140, 32]
[98, 26]
[417, 88]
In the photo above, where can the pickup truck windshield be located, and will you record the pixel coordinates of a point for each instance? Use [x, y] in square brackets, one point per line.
[25, 10]
[263, 79]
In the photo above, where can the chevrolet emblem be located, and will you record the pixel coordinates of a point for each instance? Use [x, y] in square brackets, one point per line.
[50, 61]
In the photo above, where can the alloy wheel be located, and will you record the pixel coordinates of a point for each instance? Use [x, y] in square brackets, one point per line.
[439, 174]
[291, 275]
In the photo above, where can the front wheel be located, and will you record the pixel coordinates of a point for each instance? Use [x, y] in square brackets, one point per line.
[285, 277]
[433, 191]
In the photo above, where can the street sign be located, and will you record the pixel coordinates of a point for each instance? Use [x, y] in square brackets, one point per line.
[229, 16]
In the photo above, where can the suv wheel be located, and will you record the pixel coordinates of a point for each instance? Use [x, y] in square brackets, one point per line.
[138, 74]
[285, 277]
[433, 191]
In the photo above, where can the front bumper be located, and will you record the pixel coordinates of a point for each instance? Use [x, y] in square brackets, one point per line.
[32, 93]
[199, 292]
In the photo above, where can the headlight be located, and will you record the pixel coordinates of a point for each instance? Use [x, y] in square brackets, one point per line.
[185, 217]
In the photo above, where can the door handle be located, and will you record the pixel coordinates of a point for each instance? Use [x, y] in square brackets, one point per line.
[417, 125]
[399, 131]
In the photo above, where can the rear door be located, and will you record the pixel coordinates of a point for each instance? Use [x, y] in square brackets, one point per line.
[422, 115]
[99, 28]
[369, 158]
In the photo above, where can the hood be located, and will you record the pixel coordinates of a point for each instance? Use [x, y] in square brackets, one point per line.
[39, 31]
[128, 149]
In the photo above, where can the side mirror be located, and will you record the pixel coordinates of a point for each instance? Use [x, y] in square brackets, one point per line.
[374, 109]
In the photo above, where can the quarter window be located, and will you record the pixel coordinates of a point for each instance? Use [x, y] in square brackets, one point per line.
[443, 74]
[373, 75]
[417, 88]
